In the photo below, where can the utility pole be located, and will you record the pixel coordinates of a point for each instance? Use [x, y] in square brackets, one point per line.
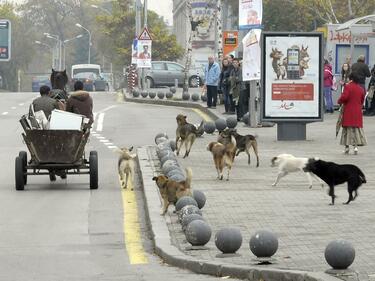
[138, 11]
[189, 48]
[219, 30]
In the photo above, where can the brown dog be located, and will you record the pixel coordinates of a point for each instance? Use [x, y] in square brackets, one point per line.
[223, 155]
[126, 166]
[171, 190]
[187, 133]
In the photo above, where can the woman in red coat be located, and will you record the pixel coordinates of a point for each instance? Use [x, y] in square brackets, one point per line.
[352, 120]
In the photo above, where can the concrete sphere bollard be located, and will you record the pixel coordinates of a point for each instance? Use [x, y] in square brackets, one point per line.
[169, 156]
[160, 140]
[245, 118]
[209, 127]
[144, 94]
[203, 97]
[220, 124]
[188, 210]
[200, 198]
[161, 95]
[339, 254]
[172, 144]
[198, 233]
[169, 163]
[195, 97]
[135, 93]
[188, 219]
[164, 152]
[228, 240]
[231, 122]
[185, 96]
[168, 95]
[173, 90]
[171, 170]
[264, 244]
[184, 201]
[152, 95]
[177, 177]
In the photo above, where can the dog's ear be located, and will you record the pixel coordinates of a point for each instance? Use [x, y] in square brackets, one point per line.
[155, 178]
[131, 148]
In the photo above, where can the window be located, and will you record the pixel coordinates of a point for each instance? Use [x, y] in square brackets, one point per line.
[175, 67]
[158, 66]
[343, 51]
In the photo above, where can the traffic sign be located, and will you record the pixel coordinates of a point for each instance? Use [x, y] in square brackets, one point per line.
[145, 35]
[5, 40]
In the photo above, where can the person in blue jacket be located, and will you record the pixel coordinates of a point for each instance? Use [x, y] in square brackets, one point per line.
[212, 75]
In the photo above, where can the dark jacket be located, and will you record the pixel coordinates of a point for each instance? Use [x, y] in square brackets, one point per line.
[80, 102]
[362, 71]
[224, 82]
[45, 103]
[236, 84]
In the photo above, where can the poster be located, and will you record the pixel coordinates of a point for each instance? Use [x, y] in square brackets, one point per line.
[134, 51]
[250, 14]
[292, 76]
[144, 53]
[230, 42]
[251, 55]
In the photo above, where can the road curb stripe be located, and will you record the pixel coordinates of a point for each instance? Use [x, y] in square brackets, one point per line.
[202, 114]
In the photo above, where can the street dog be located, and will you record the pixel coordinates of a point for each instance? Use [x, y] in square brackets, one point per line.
[334, 174]
[171, 190]
[287, 163]
[187, 133]
[243, 143]
[125, 166]
[223, 155]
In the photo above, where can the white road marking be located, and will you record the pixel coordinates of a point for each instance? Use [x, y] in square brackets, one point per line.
[104, 140]
[108, 143]
[5, 113]
[95, 114]
[21, 104]
[113, 147]
[99, 127]
[13, 107]
[100, 137]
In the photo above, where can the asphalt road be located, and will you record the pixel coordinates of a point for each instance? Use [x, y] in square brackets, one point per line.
[64, 231]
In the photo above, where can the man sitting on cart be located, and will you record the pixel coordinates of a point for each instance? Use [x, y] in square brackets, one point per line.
[80, 102]
[44, 102]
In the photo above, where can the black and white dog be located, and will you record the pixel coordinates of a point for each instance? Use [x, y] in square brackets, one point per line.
[334, 174]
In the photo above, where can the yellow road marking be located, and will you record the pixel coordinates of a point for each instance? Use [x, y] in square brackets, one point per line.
[202, 114]
[132, 230]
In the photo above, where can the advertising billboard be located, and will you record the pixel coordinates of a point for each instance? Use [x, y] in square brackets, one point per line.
[5, 40]
[250, 14]
[292, 76]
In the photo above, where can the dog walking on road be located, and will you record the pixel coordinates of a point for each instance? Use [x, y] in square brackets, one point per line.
[187, 133]
[126, 166]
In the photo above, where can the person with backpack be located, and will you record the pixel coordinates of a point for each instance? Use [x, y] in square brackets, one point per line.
[328, 83]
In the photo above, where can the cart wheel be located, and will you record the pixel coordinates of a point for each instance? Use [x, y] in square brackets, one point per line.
[52, 176]
[20, 183]
[93, 171]
[23, 155]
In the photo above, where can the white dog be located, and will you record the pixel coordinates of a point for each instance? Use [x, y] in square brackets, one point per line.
[287, 163]
[125, 166]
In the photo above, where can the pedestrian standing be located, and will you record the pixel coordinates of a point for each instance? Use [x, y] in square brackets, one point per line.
[236, 86]
[370, 109]
[328, 83]
[345, 72]
[212, 75]
[352, 120]
[361, 70]
[224, 85]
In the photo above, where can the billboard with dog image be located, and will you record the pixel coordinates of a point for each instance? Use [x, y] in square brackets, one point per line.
[292, 76]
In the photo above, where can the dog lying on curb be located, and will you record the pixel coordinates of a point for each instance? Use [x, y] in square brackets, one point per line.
[125, 165]
[334, 174]
[244, 143]
[187, 133]
[223, 155]
[287, 163]
[171, 190]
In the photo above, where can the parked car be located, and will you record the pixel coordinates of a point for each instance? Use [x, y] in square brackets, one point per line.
[108, 77]
[39, 81]
[91, 81]
[164, 73]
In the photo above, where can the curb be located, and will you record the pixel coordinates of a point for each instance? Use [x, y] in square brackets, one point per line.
[173, 256]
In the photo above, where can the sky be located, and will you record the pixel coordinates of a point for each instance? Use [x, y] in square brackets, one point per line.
[162, 7]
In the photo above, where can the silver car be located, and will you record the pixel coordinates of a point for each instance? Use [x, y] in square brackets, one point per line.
[164, 73]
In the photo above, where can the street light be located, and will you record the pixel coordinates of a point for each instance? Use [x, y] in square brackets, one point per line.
[48, 46]
[101, 8]
[56, 37]
[88, 31]
[66, 41]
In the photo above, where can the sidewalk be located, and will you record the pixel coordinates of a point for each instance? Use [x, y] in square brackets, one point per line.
[301, 217]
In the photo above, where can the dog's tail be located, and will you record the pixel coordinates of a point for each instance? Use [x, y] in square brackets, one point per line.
[362, 176]
[189, 175]
[200, 129]
[233, 140]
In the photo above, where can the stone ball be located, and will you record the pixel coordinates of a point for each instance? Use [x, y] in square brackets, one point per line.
[203, 97]
[172, 144]
[185, 96]
[160, 139]
[172, 170]
[339, 254]
[198, 233]
[177, 177]
[228, 240]
[169, 163]
[152, 95]
[200, 198]
[135, 93]
[245, 118]
[188, 219]
[163, 152]
[173, 90]
[184, 201]
[209, 127]
[168, 95]
[195, 96]
[188, 210]
[169, 156]
[264, 244]
[231, 122]
[220, 124]
[144, 94]
[161, 95]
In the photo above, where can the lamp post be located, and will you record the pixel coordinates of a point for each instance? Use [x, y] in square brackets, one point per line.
[59, 48]
[88, 31]
[101, 8]
[48, 46]
[66, 41]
